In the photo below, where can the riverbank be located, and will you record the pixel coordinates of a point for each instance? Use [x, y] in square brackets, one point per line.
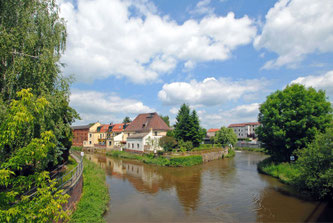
[285, 172]
[95, 196]
[161, 161]
[251, 149]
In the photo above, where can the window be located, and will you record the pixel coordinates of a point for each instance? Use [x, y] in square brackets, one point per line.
[110, 143]
[132, 145]
[155, 133]
[90, 142]
[138, 146]
[90, 135]
[128, 145]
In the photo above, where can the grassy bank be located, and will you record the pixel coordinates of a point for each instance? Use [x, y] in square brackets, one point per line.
[285, 172]
[161, 161]
[251, 149]
[95, 195]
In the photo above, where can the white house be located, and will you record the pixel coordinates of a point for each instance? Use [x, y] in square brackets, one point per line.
[143, 142]
[245, 130]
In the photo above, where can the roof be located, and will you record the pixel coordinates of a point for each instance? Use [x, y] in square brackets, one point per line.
[103, 128]
[119, 127]
[213, 130]
[145, 122]
[80, 127]
[137, 136]
[243, 124]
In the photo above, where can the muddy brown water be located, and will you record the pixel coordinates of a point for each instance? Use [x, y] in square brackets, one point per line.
[228, 190]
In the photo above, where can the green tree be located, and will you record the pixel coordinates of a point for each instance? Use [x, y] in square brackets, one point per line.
[127, 120]
[183, 124]
[168, 143]
[32, 39]
[291, 118]
[315, 164]
[225, 136]
[24, 157]
[195, 131]
[166, 119]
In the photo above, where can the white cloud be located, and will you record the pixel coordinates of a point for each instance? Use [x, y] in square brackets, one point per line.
[295, 28]
[209, 92]
[324, 82]
[174, 110]
[239, 114]
[202, 8]
[129, 39]
[93, 106]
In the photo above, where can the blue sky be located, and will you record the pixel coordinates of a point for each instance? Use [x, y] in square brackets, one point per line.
[222, 57]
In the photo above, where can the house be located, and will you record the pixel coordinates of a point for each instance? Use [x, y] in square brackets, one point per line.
[144, 132]
[80, 134]
[245, 130]
[116, 136]
[212, 132]
[92, 135]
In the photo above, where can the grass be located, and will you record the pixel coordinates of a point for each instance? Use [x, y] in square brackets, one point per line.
[231, 153]
[95, 195]
[161, 161]
[262, 150]
[204, 147]
[285, 172]
[77, 148]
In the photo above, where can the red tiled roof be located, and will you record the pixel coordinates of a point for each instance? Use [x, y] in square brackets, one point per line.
[213, 130]
[145, 122]
[243, 124]
[103, 128]
[118, 127]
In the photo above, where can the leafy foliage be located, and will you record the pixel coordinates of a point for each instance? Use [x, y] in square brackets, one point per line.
[167, 143]
[166, 119]
[25, 156]
[291, 118]
[127, 120]
[187, 127]
[315, 164]
[225, 137]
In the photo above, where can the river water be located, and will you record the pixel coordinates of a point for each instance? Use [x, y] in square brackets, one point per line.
[227, 190]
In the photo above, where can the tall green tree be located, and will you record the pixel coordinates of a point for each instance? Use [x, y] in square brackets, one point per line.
[225, 136]
[32, 39]
[166, 119]
[187, 127]
[126, 120]
[291, 118]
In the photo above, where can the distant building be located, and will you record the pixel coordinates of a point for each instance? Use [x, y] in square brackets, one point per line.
[80, 134]
[115, 135]
[93, 136]
[212, 132]
[245, 130]
[144, 132]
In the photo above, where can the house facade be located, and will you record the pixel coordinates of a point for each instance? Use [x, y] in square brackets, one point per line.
[212, 132]
[80, 134]
[92, 135]
[116, 136]
[245, 130]
[144, 132]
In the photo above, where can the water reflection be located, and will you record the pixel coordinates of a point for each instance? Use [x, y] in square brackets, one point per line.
[229, 190]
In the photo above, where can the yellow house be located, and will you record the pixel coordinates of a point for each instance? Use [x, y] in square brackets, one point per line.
[92, 135]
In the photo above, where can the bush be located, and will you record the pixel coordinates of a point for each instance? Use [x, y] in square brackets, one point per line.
[168, 143]
[225, 137]
[231, 153]
[185, 146]
[186, 160]
[316, 166]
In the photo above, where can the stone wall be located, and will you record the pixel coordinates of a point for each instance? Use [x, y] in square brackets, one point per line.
[206, 157]
[75, 194]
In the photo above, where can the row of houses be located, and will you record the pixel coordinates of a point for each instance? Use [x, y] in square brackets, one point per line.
[142, 134]
[242, 130]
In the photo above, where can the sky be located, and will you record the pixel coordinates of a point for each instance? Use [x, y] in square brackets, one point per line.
[221, 57]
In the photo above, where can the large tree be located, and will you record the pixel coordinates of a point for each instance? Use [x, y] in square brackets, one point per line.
[126, 120]
[291, 118]
[166, 119]
[32, 39]
[225, 137]
[187, 127]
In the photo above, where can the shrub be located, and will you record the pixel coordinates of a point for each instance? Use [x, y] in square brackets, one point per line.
[186, 160]
[168, 143]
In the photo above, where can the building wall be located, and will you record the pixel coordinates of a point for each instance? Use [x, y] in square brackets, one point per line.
[135, 144]
[79, 135]
[93, 135]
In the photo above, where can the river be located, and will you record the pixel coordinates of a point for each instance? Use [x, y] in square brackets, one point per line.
[227, 190]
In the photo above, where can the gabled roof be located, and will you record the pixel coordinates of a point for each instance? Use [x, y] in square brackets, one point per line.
[213, 130]
[80, 127]
[243, 124]
[145, 122]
